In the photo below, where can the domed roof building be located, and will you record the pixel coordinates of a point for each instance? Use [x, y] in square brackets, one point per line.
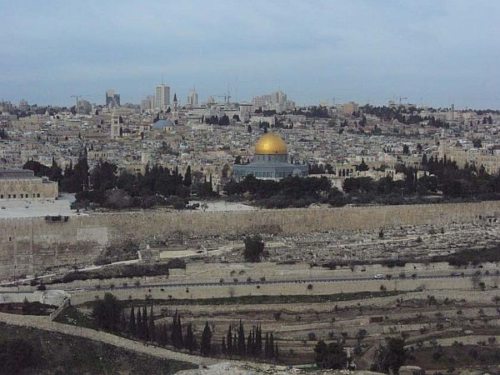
[270, 161]
[270, 144]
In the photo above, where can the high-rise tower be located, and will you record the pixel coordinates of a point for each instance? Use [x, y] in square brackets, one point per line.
[192, 99]
[162, 97]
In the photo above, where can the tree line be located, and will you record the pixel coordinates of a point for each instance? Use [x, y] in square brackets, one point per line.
[104, 186]
[109, 315]
[440, 177]
[291, 191]
[254, 345]
[388, 358]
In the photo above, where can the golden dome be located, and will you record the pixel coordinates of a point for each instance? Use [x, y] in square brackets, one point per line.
[270, 144]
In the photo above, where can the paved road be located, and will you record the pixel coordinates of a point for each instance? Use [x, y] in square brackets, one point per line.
[44, 323]
[285, 281]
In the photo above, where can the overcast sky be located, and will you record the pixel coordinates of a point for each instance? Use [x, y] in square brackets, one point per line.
[434, 52]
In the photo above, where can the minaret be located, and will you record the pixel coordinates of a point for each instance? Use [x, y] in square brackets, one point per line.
[175, 114]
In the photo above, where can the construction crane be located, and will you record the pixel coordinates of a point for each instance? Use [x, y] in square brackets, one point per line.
[78, 97]
[227, 97]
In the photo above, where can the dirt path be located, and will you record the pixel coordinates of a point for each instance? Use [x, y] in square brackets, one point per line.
[44, 323]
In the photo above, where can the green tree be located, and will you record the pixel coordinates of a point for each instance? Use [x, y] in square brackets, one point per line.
[151, 326]
[224, 346]
[81, 175]
[187, 177]
[176, 333]
[391, 356]
[139, 325]
[254, 247]
[330, 356]
[206, 338]
[258, 341]
[241, 340]
[266, 346]
[189, 341]
[132, 328]
[103, 176]
[362, 167]
[271, 345]
[55, 172]
[250, 344]
[229, 341]
[145, 323]
[107, 313]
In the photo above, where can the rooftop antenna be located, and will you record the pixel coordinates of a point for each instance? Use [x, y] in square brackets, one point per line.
[236, 90]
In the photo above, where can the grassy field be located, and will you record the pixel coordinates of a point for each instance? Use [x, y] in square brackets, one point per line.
[260, 300]
[56, 353]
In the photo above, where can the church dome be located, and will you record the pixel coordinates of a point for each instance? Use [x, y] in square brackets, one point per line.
[270, 144]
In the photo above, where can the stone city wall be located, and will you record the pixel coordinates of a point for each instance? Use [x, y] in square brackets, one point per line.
[29, 245]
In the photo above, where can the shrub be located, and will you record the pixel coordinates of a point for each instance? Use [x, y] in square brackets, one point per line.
[16, 355]
[254, 247]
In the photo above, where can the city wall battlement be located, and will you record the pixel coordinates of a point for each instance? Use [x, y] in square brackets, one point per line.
[28, 245]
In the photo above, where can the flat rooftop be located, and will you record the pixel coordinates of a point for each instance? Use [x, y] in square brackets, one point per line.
[24, 208]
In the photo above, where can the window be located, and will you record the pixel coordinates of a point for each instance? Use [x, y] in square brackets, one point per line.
[38, 195]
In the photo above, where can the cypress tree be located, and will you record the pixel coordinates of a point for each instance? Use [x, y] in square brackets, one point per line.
[174, 332]
[258, 341]
[223, 346]
[131, 325]
[145, 323]
[123, 322]
[162, 335]
[249, 344]
[206, 337]
[187, 176]
[266, 346]
[165, 334]
[241, 340]
[159, 335]
[229, 341]
[139, 326]
[179, 331]
[271, 345]
[151, 328]
[189, 340]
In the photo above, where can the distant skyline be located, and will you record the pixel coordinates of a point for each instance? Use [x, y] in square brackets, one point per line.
[432, 52]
